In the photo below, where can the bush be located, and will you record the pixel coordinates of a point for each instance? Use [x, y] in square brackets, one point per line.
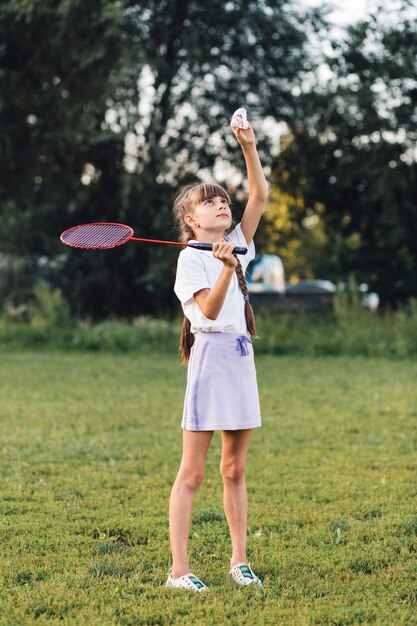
[351, 330]
[142, 334]
[50, 312]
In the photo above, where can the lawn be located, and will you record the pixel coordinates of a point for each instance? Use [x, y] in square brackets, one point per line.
[90, 447]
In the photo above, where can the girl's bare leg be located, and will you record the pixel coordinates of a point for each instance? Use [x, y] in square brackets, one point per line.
[189, 478]
[234, 448]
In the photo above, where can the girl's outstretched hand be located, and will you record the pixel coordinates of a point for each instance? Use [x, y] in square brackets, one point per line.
[223, 250]
[245, 136]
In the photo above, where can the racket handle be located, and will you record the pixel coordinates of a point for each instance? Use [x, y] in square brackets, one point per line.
[209, 246]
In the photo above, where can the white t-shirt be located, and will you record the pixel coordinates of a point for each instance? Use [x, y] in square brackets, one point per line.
[199, 269]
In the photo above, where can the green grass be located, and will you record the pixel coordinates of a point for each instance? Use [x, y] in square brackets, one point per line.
[91, 444]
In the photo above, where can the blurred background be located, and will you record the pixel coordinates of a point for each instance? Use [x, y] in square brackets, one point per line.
[107, 107]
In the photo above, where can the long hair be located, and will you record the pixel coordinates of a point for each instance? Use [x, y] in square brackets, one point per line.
[187, 198]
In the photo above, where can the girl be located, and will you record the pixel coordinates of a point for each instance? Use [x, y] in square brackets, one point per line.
[222, 391]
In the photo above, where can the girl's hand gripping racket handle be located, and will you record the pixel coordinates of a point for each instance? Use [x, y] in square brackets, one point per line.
[209, 246]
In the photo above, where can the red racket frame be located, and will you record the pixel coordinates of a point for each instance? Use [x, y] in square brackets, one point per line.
[196, 245]
[119, 243]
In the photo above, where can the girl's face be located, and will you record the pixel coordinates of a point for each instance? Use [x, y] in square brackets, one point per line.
[212, 214]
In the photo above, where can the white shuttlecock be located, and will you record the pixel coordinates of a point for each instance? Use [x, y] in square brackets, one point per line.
[239, 119]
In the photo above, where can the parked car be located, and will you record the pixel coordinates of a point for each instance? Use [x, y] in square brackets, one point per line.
[269, 290]
[301, 296]
[311, 295]
[310, 286]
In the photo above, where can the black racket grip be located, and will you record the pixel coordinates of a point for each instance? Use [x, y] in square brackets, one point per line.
[209, 246]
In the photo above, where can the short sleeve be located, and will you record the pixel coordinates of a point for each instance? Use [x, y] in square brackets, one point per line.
[191, 276]
[238, 237]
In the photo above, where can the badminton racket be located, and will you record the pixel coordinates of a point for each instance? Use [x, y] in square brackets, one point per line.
[102, 235]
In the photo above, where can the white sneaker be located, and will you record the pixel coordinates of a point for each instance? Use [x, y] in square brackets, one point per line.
[189, 581]
[243, 575]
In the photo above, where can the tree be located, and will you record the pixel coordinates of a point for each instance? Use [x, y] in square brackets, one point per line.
[60, 62]
[73, 83]
[352, 150]
[293, 233]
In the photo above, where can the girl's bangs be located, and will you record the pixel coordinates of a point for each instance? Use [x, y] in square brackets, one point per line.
[205, 191]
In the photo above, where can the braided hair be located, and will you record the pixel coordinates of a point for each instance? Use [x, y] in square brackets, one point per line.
[187, 198]
[249, 314]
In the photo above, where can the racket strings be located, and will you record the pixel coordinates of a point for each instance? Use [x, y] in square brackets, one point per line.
[97, 235]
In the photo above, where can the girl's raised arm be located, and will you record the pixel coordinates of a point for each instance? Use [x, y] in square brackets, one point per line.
[258, 187]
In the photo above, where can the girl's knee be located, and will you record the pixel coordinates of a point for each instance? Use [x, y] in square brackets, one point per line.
[233, 471]
[192, 478]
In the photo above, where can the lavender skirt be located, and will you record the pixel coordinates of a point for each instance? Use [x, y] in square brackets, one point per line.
[222, 391]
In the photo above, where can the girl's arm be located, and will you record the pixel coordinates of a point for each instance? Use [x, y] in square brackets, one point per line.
[211, 301]
[258, 187]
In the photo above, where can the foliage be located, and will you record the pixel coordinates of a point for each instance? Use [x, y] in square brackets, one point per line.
[298, 242]
[350, 330]
[50, 311]
[120, 103]
[53, 104]
[113, 108]
[350, 158]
